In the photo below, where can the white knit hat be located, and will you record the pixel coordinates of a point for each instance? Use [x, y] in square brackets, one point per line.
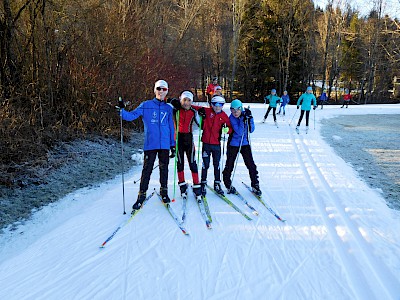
[160, 83]
[187, 94]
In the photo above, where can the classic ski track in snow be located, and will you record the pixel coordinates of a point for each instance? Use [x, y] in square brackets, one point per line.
[339, 240]
[386, 280]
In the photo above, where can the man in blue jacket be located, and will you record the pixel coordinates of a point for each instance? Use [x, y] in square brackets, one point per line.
[159, 139]
[242, 123]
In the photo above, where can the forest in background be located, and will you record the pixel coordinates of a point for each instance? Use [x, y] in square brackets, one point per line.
[63, 64]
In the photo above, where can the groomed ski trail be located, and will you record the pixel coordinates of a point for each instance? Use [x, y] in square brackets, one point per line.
[339, 241]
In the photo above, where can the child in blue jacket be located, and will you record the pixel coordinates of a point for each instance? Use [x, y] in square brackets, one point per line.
[285, 100]
[242, 123]
[159, 139]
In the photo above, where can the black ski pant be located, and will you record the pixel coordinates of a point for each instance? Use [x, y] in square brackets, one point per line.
[273, 112]
[149, 158]
[186, 146]
[232, 153]
[215, 151]
[301, 117]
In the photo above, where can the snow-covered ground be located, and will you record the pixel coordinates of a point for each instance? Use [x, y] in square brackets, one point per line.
[340, 240]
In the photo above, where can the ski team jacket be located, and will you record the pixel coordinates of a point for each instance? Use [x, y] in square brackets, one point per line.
[186, 119]
[347, 97]
[305, 100]
[211, 88]
[273, 100]
[285, 99]
[239, 126]
[159, 130]
[212, 126]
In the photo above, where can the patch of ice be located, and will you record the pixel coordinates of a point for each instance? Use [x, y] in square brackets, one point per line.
[337, 138]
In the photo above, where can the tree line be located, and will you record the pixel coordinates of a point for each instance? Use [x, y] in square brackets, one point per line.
[63, 64]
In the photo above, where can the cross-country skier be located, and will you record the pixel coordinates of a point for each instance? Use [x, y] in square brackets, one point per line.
[159, 139]
[285, 100]
[242, 124]
[346, 98]
[273, 101]
[215, 122]
[306, 100]
[187, 115]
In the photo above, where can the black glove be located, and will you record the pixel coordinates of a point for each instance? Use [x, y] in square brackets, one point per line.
[314, 107]
[174, 102]
[121, 104]
[202, 112]
[247, 113]
[173, 152]
[298, 107]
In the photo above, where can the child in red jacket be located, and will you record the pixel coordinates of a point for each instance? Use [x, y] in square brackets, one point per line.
[215, 122]
[187, 115]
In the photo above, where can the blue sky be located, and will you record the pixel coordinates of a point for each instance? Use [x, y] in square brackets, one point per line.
[390, 7]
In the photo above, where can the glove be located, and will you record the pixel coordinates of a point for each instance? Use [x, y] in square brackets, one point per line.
[314, 107]
[298, 107]
[174, 102]
[225, 130]
[202, 112]
[247, 113]
[120, 105]
[173, 152]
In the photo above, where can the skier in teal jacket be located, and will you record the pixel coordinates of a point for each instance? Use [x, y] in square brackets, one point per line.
[305, 101]
[273, 101]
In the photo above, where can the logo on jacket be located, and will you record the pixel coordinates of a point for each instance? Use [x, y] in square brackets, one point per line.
[154, 117]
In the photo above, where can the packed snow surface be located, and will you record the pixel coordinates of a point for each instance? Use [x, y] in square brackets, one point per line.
[339, 241]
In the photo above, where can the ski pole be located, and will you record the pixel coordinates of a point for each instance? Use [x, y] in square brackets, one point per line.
[136, 181]
[314, 119]
[293, 116]
[223, 151]
[240, 147]
[198, 144]
[120, 102]
[176, 152]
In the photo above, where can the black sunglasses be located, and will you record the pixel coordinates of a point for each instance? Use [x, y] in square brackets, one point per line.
[161, 89]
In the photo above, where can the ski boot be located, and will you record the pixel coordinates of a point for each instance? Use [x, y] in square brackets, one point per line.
[297, 129]
[139, 202]
[256, 189]
[203, 188]
[217, 188]
[197, 190]
[232, 190]
[183, 187]
[164, 195]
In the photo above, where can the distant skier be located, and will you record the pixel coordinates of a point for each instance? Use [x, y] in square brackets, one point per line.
[273, 101]
[242, 124]
[285, 100]
[346, 98]
[215, 122]
[322, 99]
[306, 100]
[211, 89]
[159, 139]
[187, 116]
